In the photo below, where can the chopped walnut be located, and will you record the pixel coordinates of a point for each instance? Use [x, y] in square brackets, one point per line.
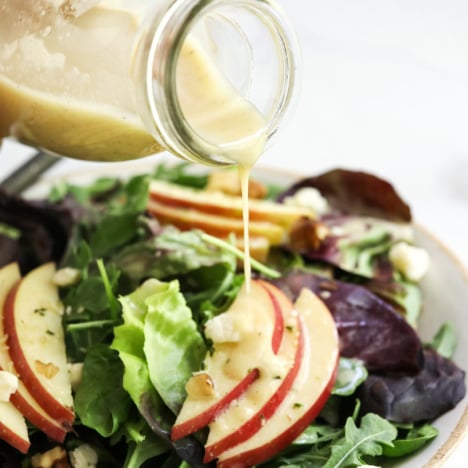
[53, 458]
[307, 234]
[200, 385]
[228, 182]
[48, 370]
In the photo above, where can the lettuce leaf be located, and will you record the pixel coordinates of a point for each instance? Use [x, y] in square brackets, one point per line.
[173, 346]
[157, 333]
[159, 344]
[100, 401]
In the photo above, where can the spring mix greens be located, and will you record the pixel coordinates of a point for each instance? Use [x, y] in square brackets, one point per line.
[141, 291]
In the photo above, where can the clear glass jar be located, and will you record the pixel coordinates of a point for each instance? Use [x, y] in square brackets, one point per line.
[114, 80]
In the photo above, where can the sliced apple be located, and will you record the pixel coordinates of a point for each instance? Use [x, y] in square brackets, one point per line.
[246, 415]
[176, 196]
[308, 394]
[22, 399]
[13, 429]
[33, 324]
[250, 327]
[219, 226]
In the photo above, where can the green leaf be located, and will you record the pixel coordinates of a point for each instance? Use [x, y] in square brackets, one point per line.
[129, 341]
[180, 174]
[159, 344]
[318, 434]
[415, 439]
[173, 347]
[169, 254]
[358, 442]
[143, 445]
[351, 374]
[100, 401]
[445, 340]
[114, 231]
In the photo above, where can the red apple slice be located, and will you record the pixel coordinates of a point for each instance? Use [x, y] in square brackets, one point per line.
[22, 399]
[33, 324]
[245, 329]
[309, 393]
[245, 416]
[225, 205]
[13, 429]
[219, 226]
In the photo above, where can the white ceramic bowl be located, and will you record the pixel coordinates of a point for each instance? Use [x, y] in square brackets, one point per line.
[445, 290]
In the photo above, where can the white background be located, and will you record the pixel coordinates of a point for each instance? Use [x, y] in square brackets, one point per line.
[384, 89]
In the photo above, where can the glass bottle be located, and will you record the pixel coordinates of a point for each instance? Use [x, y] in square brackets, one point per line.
[110, 80]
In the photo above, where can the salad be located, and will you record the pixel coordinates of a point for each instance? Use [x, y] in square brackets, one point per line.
[149, 273]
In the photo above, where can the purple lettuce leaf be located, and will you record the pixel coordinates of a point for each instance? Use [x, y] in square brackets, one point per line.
[369, 328]
[357, 193]
[436, 389]
[42, 230]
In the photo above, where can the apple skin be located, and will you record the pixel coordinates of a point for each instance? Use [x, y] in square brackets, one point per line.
[201, 420]
[37, 416]
[32, 323]
[13, 429]
[22, 400]
[281, 305]
[271, 397]
[226, 205]
[312, 388]
[216, 225]
[198, 414]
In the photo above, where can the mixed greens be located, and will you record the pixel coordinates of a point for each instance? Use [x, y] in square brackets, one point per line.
[141, 291]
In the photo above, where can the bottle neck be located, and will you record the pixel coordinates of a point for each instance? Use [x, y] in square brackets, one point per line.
[194, 54]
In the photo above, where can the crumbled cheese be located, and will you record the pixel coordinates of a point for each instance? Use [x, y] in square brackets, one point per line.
[309, 197]
[413, 262]
[8, 385]
[75, 371]
[222, 329]
[83, 456]
[66, 276]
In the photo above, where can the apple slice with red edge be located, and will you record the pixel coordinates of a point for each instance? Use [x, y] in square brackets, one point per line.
[32, 321]
[220, 204]
[216, 225]
[246, 327]
[13, 429]
[308, 394]
[245, 416]
[22, 399]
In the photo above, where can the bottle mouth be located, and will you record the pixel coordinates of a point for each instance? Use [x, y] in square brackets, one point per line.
[220, 78]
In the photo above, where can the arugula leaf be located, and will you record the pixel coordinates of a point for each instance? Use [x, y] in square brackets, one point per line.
[317, 434]
[367, 440]
[100, 401]
[414, 439]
